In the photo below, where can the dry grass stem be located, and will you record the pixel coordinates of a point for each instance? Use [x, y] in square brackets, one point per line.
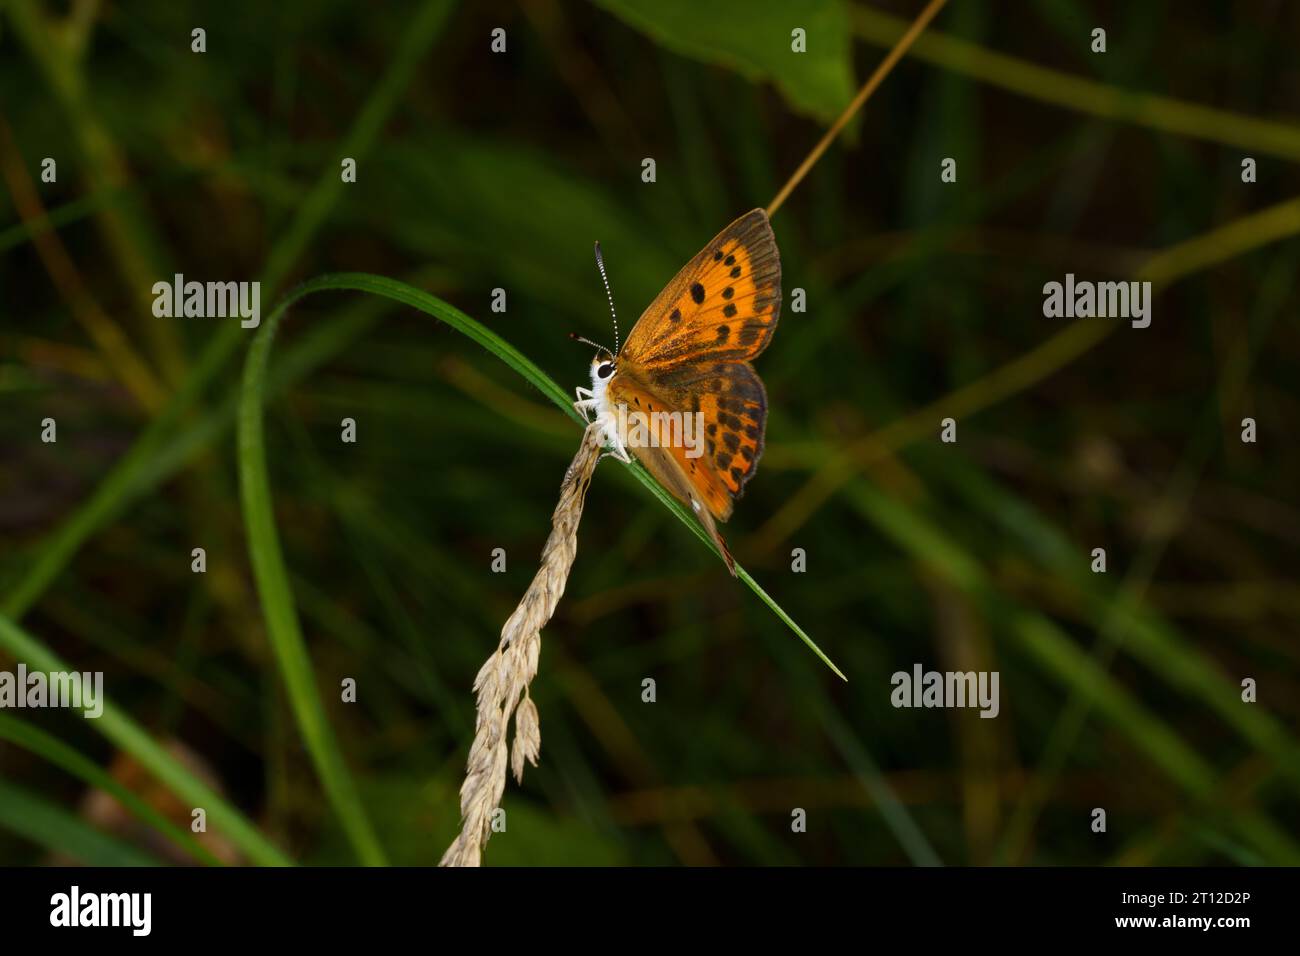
[502, 683]
[869, 87]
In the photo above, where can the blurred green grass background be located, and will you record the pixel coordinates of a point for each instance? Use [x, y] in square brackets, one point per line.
[478, 171]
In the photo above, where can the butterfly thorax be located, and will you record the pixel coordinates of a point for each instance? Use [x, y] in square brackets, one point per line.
[602, 373]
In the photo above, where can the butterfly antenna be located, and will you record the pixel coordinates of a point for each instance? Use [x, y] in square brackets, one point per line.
[595, 345]
[600, 264]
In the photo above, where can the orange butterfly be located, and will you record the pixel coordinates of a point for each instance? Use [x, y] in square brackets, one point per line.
[688, 355]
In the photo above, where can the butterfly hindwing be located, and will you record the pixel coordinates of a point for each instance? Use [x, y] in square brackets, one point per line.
[673, 465]
[724, 303]
[732, 407]
[733, 404]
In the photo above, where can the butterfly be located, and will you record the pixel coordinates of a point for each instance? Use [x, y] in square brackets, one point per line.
[688, 356]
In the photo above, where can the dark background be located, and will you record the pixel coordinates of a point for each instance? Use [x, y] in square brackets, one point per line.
[478, 171]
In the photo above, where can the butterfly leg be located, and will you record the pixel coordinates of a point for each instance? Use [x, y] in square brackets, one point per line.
[586, 400]
[616, 448]
[619, 452]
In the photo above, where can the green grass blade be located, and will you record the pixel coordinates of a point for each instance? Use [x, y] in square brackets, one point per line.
[673, 505]
[1090, 97]
[278, 606]
[54, 828]
[424, 27]
[1048, 646]
[129, 736]
[120, 484]
[37, 741]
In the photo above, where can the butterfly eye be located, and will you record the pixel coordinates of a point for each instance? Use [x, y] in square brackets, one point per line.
[606, 370]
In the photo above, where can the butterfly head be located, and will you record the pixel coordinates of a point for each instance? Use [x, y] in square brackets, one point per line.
[603, 366]
[602, 363]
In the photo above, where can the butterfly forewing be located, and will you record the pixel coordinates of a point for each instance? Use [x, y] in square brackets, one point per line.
[724, 303]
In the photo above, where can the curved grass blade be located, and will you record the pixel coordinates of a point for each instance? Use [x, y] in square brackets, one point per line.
[516, 361]
[278, 606]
